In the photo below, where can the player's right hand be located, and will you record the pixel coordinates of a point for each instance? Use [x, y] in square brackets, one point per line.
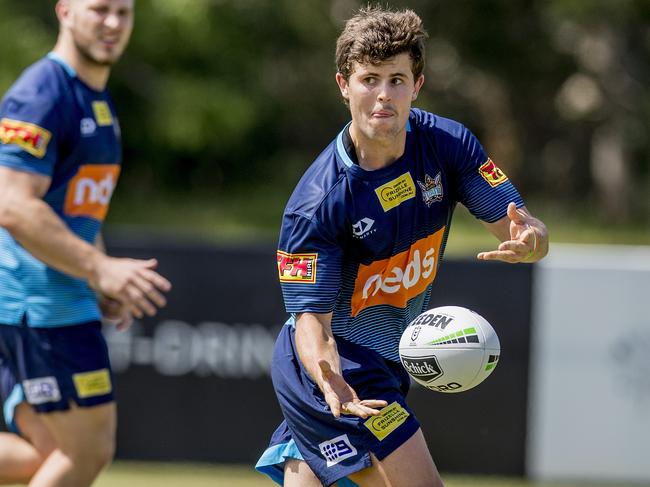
[132, 282]
[342, 399]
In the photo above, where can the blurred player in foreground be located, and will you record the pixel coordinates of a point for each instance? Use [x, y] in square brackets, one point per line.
[361, 241]
[60, 153]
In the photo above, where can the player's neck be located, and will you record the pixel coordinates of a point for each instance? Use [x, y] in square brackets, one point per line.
[377, 153]
[93, 74]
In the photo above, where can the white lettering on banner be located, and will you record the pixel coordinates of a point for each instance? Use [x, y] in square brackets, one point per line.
[209, 349]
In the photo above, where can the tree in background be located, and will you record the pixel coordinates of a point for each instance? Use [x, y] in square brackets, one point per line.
[237, 95]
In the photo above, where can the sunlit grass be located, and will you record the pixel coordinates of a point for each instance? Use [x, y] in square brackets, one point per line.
[142, 474]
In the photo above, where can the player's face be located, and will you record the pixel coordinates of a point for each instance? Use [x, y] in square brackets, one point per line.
[380, 96]
[100, 29]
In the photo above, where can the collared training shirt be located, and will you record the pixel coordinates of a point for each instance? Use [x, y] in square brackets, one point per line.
[366, 245]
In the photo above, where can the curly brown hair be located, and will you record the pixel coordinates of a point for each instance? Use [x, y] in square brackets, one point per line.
[375, 34]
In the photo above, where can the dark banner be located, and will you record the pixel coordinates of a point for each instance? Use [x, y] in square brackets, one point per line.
[194, 382]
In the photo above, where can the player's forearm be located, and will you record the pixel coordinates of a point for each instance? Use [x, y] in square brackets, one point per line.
[44, 235]
[315, 343]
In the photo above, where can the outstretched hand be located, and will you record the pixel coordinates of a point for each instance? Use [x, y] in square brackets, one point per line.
[342, 399]
[133, 283]
[523, 243]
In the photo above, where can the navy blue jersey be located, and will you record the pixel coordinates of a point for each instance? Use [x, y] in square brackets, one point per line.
[366, 245]
[52, 123]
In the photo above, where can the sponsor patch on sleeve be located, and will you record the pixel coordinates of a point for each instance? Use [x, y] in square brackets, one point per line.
[297, 267]
[391, 417]
[28, 136]
[491, 173]
[94, 383]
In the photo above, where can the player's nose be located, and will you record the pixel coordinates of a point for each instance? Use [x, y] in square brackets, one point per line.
[384, 92]
[113, 21]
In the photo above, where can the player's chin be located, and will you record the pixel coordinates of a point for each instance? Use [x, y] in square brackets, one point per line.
[107, 57]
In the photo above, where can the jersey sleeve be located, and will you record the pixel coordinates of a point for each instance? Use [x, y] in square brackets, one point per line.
[309, 264]
[482, 187]
[30, 128]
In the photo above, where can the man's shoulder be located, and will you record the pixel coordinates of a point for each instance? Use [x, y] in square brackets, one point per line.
[43, 79]
[318, 185]
[435, 125]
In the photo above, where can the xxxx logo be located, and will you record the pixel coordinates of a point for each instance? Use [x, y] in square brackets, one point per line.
[491, 173]
[297, 267]
[27, 136]
[90, 191]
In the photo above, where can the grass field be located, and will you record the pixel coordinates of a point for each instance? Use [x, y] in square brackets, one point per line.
[134, 474]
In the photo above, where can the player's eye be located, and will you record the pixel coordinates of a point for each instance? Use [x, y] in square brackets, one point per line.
[370, 80]
[397, 81]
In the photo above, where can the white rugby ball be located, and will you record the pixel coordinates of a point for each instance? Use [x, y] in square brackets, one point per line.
[449, 349]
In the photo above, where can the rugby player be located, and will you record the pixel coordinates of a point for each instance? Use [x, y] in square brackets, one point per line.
[60, 154]
[361, 240]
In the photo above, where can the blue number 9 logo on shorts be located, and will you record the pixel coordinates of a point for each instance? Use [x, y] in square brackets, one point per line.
[337, 449]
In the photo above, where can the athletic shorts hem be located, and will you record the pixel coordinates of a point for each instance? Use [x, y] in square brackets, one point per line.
[272, 461]
[62, 405]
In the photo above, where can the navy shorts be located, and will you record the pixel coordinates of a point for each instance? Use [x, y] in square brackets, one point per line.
[49, 367]
[335, 448]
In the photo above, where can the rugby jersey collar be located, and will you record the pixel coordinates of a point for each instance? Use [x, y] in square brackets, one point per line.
[59, 60]
[358, 171]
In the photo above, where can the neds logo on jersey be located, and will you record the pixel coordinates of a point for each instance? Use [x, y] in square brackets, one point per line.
[27, 136]
[297, 268]
[396, 280]
[90, 191]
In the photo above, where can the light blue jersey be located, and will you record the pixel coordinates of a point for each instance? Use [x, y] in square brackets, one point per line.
[52, 123]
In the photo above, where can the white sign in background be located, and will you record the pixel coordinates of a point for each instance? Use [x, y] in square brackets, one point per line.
[589, 401]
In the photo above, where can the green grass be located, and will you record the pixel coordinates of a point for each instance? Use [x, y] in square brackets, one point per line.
[137, 474]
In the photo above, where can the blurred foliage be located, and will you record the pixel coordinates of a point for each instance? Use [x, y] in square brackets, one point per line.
[230, 100]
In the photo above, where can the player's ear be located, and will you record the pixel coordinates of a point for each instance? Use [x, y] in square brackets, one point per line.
[418, 84]
[343, 85]
[62, 10]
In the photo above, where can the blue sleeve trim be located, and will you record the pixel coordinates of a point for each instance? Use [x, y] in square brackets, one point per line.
[20, 164]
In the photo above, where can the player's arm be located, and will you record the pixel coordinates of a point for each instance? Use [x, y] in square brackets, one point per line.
[523, 237]
[318, 352]
[33, 223]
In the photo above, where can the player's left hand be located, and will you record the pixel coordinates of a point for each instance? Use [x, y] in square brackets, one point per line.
[342, 399]
[523, 244]
[115, 312]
